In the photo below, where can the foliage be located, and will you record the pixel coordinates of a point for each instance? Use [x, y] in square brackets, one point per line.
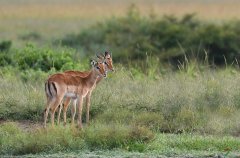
[30, 36]
[5, 46]
[70, 138]
[42, 58]
[168, 38]
[32, 58]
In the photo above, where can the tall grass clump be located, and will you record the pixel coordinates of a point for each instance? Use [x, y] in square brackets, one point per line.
[21, 101]
[15, 141]
[111, 136]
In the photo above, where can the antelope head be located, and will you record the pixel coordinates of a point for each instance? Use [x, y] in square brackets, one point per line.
[107, 59]
[99, 68]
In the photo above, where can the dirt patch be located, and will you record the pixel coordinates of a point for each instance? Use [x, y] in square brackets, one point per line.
[25, 125]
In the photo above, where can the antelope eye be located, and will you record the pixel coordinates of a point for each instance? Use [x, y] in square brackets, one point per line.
[105, 63]
[98, 67]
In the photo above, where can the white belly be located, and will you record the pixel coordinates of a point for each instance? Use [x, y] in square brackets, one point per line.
[71, 95]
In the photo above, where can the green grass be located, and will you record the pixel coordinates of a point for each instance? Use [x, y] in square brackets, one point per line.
[16, 141]
[128, 115]
[206, 103]
[101, 140]
[124, 154]
[146, 110]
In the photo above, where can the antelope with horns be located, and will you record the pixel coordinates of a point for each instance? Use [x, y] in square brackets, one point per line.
[107, 60]
[62, 85]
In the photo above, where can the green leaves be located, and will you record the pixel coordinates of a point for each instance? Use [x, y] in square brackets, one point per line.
[171, 38]
[44, 59]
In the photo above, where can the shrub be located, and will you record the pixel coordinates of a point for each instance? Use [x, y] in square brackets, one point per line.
[168, 38]
[5, 59]
[5, 46]
[43, 59]
[30, 36]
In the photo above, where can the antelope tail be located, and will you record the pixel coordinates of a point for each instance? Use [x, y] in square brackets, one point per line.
[50, 89]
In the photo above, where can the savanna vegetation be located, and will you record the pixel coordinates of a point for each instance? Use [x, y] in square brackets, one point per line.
[175, 91]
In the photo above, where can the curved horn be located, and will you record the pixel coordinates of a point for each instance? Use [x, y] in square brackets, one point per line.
[107, 53]
[99, 56]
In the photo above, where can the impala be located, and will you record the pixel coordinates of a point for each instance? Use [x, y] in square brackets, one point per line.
[107, 59]
[62, 85]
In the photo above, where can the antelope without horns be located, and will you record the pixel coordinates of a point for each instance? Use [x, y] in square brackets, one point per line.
[107, 60]
[62, 85]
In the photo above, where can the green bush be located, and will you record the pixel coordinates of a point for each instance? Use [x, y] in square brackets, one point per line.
[44, 59]
[5, 46]
[5, 59]
[168, 38]
[29, 36]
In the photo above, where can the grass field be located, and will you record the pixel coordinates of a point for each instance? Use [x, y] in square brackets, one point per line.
[199, 113]
[145, 109]
[62, 142]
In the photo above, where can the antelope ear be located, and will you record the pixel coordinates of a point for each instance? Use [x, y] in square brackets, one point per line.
[93, 62]
[107, 54]
[99, 56]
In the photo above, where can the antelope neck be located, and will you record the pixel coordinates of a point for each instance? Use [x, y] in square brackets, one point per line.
[91, 78]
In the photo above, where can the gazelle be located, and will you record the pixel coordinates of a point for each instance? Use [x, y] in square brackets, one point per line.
[107, 59]
[73, 86]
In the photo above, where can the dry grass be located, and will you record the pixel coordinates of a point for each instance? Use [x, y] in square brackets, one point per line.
[208, 9]
[52, 19]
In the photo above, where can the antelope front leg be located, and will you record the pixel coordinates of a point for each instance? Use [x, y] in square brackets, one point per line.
[88, 97]
[80, 100]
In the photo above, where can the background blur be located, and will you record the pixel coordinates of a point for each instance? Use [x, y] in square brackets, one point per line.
[175, 89]
[168, 30]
